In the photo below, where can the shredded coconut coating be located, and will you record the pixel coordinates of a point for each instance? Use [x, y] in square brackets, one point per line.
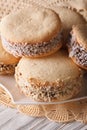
[77, 51]
[46, 93]
[7, 69]
[26, 49]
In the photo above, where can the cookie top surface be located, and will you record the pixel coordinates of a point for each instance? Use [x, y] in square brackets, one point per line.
[52, 68]
[69, 17]
[80, 32]
[31, 25]
[6, 58]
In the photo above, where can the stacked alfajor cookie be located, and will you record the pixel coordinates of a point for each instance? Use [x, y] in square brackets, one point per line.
[77, 45]
[32, 32]
[7, 62]
[52, 78]
[45, 72]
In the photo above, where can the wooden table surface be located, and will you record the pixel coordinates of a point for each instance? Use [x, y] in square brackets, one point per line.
[11, 119]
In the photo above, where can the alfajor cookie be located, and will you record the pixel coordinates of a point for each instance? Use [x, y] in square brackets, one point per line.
[52, 78]
[77, 45]
[32, 32]
[7, 62]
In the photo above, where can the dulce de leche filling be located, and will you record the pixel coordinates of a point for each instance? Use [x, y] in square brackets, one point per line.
[77, 51]
[26, 49]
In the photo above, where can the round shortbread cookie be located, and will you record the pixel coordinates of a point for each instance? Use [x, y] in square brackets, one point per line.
[7, 61]
[77, 45]
[35, 34]
[52, 78]
[38, 25]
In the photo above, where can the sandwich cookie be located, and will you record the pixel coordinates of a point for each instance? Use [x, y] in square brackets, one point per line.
[52, 78]
[7, 62]
[32, 32]
[77, 45]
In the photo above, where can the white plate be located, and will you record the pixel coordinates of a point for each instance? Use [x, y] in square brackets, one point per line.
[9, 85]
